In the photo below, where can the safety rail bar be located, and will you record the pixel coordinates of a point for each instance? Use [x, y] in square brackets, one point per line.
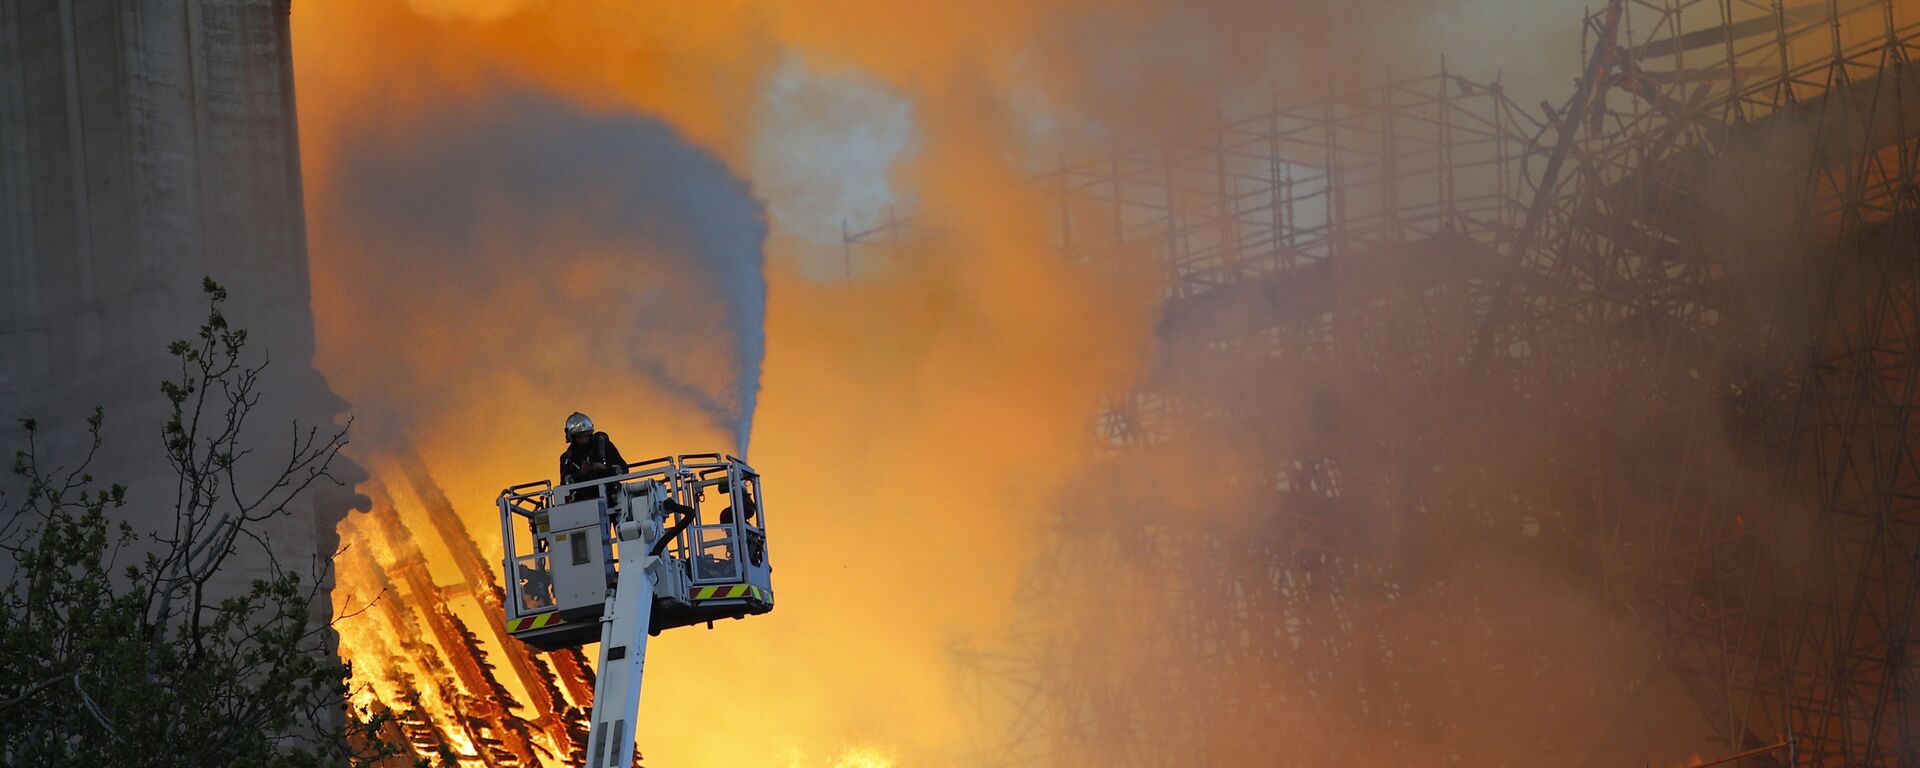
[685, 476]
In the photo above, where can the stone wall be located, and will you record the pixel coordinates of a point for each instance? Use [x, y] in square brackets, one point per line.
[144, 144]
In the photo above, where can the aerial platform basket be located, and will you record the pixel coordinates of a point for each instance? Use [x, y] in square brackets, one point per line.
[699, 515]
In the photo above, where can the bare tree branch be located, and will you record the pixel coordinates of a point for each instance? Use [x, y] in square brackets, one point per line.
[92, 707]
[204, 674]
[32, 691]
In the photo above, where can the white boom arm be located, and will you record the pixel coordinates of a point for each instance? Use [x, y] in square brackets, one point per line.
[574, 581]
[623, 650]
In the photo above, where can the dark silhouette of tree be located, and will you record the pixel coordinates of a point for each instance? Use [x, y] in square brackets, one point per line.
[124, 647]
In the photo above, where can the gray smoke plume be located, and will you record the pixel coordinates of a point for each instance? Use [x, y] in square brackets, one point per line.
[647, 247]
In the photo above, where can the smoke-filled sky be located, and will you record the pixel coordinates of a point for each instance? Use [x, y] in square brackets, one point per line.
[521, 208]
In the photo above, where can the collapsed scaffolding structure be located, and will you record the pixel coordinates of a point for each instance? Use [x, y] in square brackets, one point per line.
[426, 634]
[1658, 344]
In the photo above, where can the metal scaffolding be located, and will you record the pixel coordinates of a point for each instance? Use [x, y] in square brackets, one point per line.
[1660, 342]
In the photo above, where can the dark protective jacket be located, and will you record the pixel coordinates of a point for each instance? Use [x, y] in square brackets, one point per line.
[598, 458]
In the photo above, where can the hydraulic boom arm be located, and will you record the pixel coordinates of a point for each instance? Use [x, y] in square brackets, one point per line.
[677, 541]
[623, 649]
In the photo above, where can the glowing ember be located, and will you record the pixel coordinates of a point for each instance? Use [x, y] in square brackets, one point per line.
[431, 649]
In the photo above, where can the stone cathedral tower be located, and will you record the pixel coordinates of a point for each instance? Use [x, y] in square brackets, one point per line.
[144, 144]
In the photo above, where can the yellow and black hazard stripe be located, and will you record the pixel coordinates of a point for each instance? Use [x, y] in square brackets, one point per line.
[533, 622]
[732, 592]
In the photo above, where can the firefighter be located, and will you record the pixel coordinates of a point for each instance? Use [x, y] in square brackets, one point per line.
[756, 541]
[590, 455]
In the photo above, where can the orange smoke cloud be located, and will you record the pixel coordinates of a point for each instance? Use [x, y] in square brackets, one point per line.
[915, 423]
